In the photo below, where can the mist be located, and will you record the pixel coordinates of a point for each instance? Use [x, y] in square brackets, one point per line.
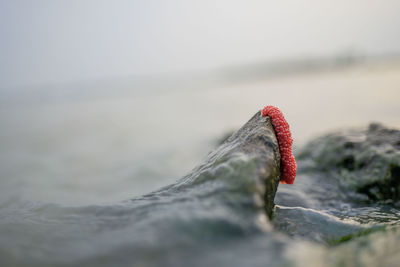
[53, 42]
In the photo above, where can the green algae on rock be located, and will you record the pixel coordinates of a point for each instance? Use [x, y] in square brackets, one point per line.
[364, 161]
[329, 201]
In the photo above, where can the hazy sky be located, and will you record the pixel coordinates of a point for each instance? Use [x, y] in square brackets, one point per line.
[60, 41]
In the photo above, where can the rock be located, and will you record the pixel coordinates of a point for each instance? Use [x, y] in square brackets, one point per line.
[248, 163]
[364, 161]
[220, 207]
[216, 215]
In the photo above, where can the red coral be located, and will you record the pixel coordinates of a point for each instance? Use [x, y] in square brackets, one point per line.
[285, 141]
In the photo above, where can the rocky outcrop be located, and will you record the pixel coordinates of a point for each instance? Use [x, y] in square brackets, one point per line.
[246, 164]
[220, 207]
[364, 161]
[217, 215]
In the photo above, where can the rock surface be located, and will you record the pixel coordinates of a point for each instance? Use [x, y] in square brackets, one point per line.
[216, 215]
[348, 181]
[364, 161]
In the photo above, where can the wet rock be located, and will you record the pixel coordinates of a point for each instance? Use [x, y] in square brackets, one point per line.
[220, 208]
[247, 162]
[216, 215]
[363, 161]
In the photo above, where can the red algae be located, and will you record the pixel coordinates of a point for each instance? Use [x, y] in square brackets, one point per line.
[285, 141]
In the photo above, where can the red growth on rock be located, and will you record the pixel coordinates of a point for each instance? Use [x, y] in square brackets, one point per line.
[285, 141]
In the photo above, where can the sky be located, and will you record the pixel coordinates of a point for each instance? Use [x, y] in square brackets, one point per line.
[52, 41]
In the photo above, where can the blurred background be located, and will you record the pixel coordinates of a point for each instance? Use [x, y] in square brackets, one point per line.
[101, 101]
